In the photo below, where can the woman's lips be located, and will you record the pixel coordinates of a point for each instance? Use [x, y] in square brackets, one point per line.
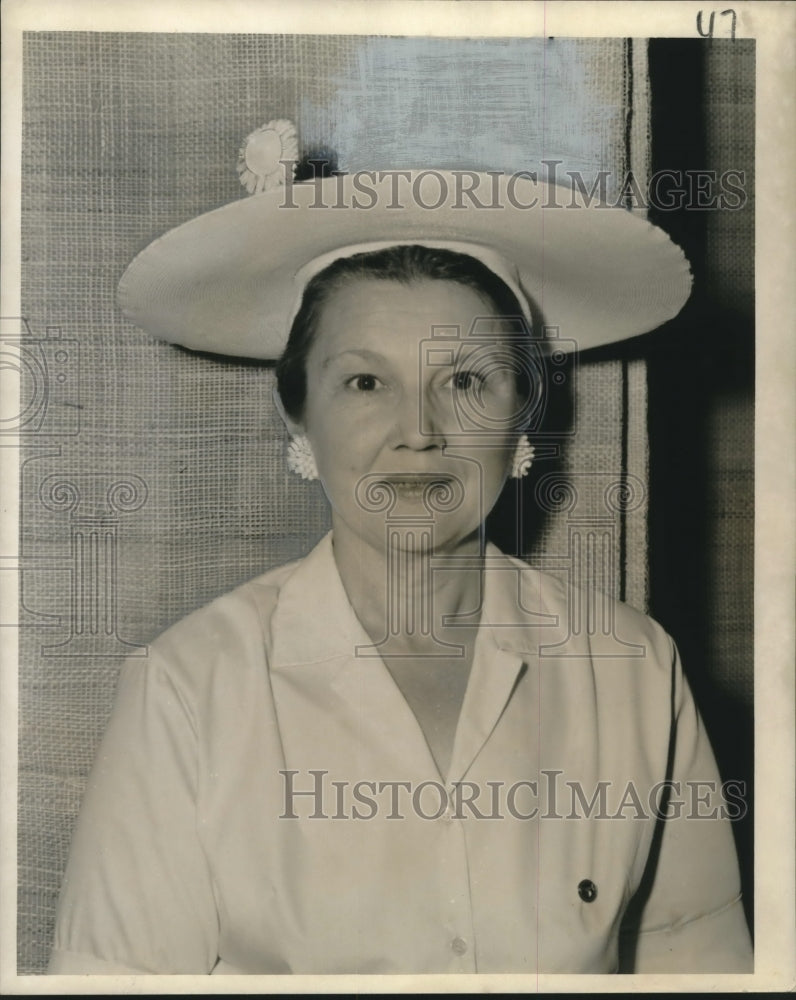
[414, 486]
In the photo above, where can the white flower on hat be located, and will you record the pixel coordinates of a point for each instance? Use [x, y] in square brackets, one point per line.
[261, 159]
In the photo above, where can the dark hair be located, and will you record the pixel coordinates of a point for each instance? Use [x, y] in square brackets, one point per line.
[406, 264]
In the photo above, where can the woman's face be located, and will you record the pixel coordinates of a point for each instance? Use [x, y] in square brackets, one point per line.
[399, 396]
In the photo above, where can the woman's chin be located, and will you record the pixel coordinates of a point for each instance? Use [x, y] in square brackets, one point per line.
[408, 535]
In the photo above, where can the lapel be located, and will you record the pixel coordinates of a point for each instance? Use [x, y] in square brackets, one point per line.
[315, 634]
[506, 654]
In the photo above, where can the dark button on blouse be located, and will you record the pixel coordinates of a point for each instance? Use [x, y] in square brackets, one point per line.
[587, 890]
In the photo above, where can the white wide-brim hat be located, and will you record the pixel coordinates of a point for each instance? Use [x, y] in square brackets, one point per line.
[230, 281]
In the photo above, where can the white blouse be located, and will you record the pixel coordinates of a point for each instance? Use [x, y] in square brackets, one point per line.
[264, 800]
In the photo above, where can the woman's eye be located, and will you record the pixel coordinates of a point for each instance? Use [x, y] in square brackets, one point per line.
[465, 380]
[363, 383]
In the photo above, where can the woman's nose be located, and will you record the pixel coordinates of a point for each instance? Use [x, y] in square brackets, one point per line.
[417, 424]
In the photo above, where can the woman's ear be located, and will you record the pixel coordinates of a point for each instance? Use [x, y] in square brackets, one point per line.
[294, 428]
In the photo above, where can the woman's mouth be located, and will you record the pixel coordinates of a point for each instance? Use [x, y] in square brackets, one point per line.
[417, 486]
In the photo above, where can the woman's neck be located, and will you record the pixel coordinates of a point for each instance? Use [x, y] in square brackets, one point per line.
[404, 597]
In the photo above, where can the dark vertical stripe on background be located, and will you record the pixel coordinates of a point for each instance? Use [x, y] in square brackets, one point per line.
[628, 166]
[629, 96]
[701, 391]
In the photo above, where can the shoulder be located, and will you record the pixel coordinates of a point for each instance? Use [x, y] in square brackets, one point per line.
[230, 634]
[609, 669]
[560, 595]
[566, 622]
[247, 605]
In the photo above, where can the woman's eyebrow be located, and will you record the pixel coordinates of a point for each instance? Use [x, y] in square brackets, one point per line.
[358, 352]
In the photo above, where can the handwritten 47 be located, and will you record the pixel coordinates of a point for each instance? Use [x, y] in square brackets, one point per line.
[709, 32]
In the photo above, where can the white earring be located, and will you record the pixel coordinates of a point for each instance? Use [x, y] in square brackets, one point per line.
[523, 458]
[300, 458]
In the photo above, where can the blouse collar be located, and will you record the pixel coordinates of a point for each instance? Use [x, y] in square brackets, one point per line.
[314, 620]
[315, 633]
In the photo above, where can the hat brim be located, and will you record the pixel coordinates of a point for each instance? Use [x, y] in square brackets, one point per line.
[225, 282]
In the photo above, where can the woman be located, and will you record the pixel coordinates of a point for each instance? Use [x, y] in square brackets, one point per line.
[400, 753]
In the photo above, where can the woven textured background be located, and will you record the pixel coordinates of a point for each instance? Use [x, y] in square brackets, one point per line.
[175, 462]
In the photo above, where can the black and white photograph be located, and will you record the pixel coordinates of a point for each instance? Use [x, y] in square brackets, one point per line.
[397, 442]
